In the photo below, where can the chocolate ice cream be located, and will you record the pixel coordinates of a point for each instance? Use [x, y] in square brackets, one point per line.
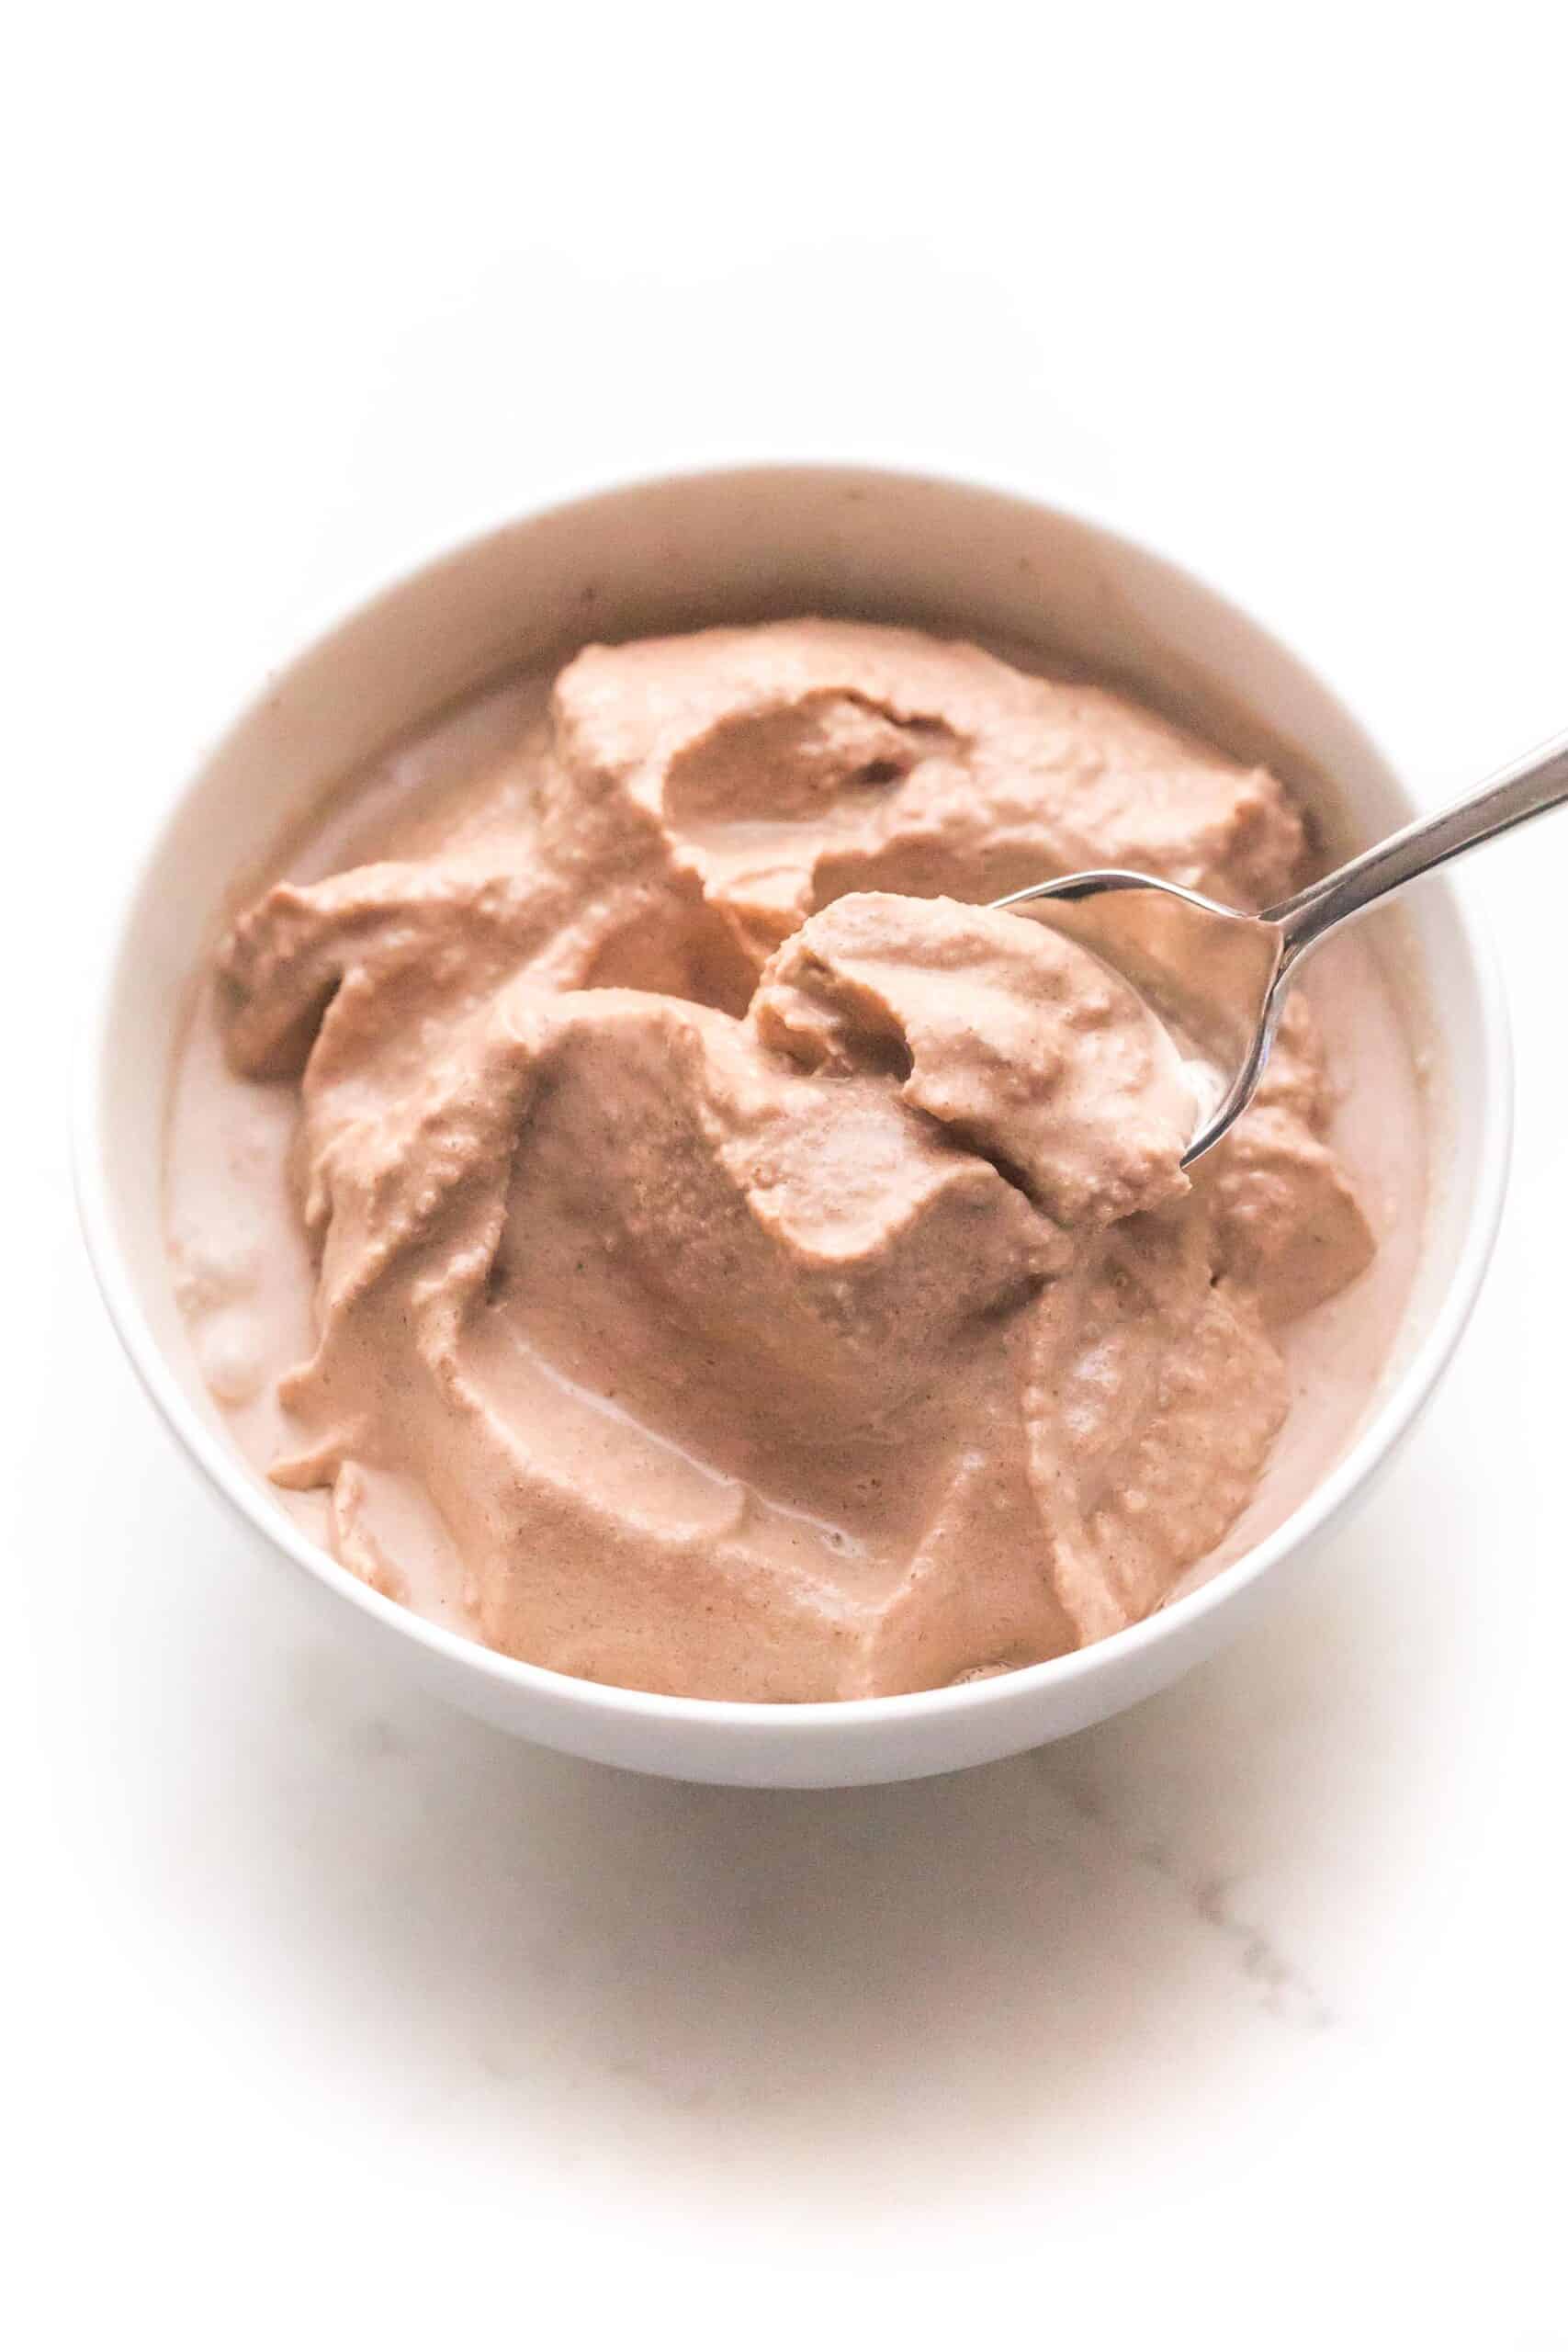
[735, 1261]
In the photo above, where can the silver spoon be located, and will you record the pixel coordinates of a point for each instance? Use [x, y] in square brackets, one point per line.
[1248, 962]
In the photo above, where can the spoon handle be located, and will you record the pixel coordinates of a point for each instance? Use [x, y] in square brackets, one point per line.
[1528, 787]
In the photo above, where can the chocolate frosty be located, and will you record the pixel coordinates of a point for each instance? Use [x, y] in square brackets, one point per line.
[737, 1263]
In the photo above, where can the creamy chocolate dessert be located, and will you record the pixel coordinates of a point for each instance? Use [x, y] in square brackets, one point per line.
[639, 1202]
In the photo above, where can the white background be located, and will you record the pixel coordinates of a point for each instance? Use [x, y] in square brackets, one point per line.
[342, 2020]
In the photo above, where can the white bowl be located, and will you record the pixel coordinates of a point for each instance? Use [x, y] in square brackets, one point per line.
[671, 554]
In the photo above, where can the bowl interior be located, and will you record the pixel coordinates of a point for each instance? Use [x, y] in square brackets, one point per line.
[753, 544]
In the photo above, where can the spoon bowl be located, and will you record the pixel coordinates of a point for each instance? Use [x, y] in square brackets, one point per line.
[1212, 976]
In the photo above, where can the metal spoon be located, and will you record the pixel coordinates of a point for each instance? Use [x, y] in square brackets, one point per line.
[1244, 962]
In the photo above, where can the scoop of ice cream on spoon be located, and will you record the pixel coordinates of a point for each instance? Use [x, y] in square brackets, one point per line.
[1218, 976]
[1020, 1047]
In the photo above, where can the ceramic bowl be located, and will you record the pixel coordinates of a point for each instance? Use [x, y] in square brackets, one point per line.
[669, 554]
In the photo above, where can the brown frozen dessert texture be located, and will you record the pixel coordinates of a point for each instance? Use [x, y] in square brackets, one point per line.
[760, 1270]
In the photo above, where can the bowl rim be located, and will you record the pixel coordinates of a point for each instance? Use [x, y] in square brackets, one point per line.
[233, 1479]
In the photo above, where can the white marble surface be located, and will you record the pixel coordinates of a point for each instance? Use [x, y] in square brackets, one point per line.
[1238, 2021]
